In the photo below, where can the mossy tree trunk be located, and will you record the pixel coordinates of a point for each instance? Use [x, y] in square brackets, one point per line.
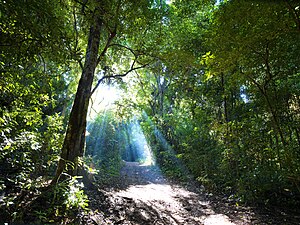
[73, 146]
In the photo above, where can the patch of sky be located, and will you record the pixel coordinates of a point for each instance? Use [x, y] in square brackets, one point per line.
[243, 94]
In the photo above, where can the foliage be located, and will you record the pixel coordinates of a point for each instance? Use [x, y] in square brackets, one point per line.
[229, 111]
[218, 97]
[60, 205]
[103, 147]
[35, 60]
[254, 106]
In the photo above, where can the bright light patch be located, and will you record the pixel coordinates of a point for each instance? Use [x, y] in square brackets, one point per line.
[243, 94]
[99, 133]
[217, 219]
[138, 147]
[103, 99]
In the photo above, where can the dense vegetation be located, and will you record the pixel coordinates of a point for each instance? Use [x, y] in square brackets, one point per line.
[214, 85]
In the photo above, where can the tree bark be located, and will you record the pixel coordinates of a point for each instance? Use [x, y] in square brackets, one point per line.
[73, 146]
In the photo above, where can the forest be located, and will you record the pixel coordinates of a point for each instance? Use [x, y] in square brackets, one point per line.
[98, 96]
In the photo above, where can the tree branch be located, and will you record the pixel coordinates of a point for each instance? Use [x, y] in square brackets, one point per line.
[102, 54]
[112, 34]
[126, 47]
[135, 52]
[92, 107]
[132, 68]
[294, 13]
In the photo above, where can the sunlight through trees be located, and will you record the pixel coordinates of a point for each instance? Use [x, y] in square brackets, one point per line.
[201, 90]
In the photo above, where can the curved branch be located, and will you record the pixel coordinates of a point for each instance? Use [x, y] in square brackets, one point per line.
[102, 54]
[295, 14]
[126, 47]
[112, 34]
[80, 63]
[132, 68]
[92, 104]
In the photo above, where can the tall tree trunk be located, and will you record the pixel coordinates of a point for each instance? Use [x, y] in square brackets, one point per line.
[226, 117]
[73, 146]
[275, 119]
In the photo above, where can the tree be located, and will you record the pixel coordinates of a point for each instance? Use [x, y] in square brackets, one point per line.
[252, 69]
[111, 25]
[35, 56]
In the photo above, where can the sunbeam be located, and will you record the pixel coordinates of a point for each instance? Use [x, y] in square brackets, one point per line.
[165, 144]
[137, 148]
[101, 103]
[97, 127]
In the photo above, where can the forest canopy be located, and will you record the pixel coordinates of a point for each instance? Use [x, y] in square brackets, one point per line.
[211, 87]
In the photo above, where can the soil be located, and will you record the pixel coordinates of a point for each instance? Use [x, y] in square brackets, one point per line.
[144, 196]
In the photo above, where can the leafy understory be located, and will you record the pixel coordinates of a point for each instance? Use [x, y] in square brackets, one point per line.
[200, 90]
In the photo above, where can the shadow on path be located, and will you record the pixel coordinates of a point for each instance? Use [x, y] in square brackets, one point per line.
[143, 195]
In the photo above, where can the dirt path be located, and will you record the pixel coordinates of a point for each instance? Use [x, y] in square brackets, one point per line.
[144, 196]
[172, 204]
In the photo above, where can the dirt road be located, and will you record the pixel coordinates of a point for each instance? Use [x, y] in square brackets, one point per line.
[162, 202]
[142, 195]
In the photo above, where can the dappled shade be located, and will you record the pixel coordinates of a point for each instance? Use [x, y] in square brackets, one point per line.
[104, 100]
